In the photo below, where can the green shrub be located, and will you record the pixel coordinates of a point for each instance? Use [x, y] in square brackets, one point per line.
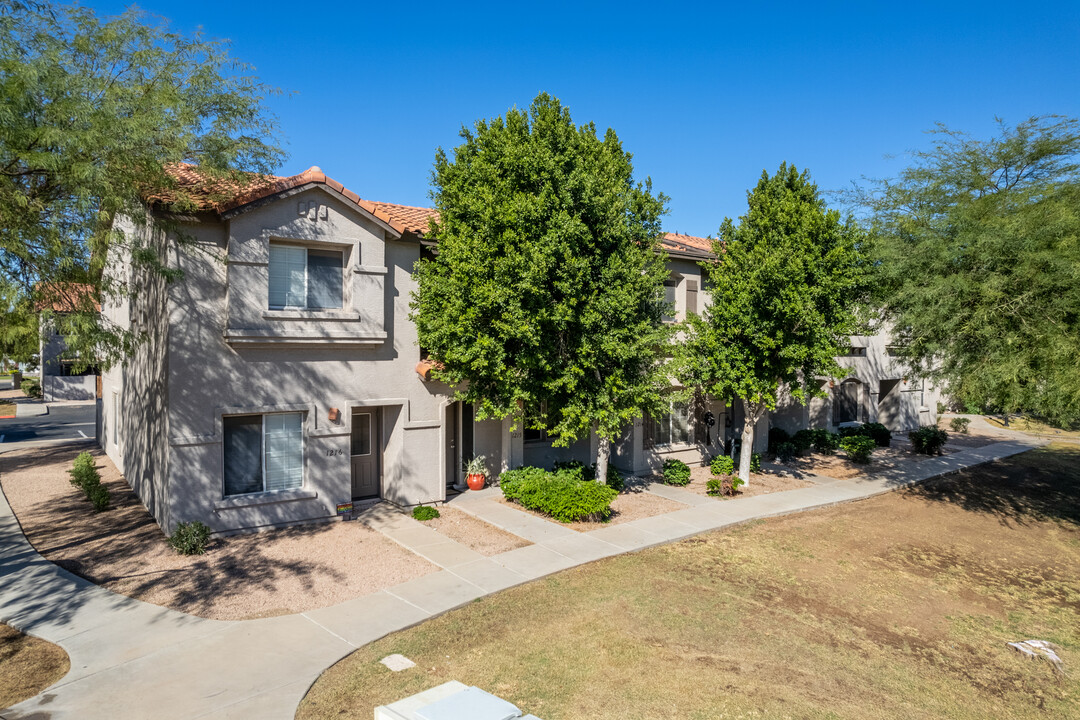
[31, 388]
[858, 448]
[928, 440]
[825, 442]
[588, 473]
[84, 474]
[803, 440]
[424, 513]
[190, 538]
[960, 425]
[777, 436]
[562, 495]
[722, 465]
[877, 432]
[786, 451]
[676, 472]
[726, 485]
[99, 497]
[755, 462]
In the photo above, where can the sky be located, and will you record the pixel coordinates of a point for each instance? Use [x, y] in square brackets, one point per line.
[706, 96]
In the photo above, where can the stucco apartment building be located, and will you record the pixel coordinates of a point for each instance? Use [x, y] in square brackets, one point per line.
[281, 377]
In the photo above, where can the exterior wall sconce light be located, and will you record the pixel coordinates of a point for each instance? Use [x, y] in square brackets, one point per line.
[334, 415]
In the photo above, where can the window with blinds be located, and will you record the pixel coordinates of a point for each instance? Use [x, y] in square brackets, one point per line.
[263, 453]
[305, 278]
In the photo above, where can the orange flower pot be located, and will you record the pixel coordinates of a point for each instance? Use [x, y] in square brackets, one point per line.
[475, 481]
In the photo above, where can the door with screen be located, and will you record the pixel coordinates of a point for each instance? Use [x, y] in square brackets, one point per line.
[365, 453]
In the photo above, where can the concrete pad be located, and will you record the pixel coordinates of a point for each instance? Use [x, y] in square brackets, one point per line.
[663, 526]
[437, 592]
[30, 408]
[368, 618]
[277, 704]
[412, 536]
[702, 518]
[518, 522]
[534, 561]
[626, 536]
[582, 547]
[489, 575]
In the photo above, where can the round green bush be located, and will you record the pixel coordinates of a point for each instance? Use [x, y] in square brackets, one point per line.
[858, 448]
[960, 425]
[928, 440]
[562, 495]
[424, 513]
[722, 465]
[676, 472]
[190, 538]
[786, 451]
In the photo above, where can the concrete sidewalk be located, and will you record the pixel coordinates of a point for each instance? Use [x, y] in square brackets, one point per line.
[134, 660]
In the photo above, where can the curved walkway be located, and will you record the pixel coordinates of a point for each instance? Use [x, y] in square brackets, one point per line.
[130, 659]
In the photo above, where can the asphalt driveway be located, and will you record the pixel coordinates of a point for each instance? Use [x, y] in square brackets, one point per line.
[62, 422]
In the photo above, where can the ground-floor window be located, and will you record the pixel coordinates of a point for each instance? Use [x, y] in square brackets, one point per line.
[670, 428]
[263, 452]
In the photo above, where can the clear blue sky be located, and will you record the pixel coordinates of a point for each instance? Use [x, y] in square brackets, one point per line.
[705, 96]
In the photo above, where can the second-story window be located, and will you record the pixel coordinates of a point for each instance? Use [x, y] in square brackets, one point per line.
[671, 288]
[305, 278]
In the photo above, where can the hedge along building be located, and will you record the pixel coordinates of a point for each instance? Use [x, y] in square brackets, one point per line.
[281, 376]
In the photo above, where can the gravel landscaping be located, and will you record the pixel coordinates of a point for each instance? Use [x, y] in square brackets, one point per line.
[760, 483]
[473, 532]
[244, 576]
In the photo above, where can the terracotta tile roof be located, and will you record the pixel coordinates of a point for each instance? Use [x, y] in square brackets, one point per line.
[65, 297]
[413, 219]
[222, 195]
[679, 243]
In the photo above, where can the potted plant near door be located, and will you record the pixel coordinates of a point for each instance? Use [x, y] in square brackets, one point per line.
[474, 470]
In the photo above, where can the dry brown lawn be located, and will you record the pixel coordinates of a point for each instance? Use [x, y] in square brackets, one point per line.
[7, 409]
[244, 576]
[28, 665]
[899, 606]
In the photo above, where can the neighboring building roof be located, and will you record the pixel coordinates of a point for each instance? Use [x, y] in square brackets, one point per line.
[680, 244]
[65, 297]
[222, 196]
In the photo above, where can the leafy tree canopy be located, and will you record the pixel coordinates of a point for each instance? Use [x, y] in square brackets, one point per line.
[546, 293]
[18, 326]
[978, 250]
[783, 299]
[92, 111]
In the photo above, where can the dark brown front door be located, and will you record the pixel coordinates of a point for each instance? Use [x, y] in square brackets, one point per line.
[365, 452]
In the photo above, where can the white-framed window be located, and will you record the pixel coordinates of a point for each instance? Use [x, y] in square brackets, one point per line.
[305, 278]
[854, 351]
[670, 428]
[263, 453]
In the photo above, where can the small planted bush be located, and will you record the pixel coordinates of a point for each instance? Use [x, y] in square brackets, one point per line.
[803, 440]
[825, 442]
[777, 436]
[928, 440]
[786, 451]
[858, 448]
[960, 425]
[726, 485]
[676, 472]
[755, 462]
[563, 495]
[722, 465]
[84, 475]
[588, 472]
[881, 435]
[31, 388]
[423, 513]
[190, 538]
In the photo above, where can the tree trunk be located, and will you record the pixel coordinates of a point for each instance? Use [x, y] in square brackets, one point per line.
[603, 452]
[752, 413]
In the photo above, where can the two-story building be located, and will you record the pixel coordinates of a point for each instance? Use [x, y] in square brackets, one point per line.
[281, 377]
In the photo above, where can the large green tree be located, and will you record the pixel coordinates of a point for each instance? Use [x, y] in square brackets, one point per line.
[92, 112]
[546, 295]
[783, 296]
[18, 326]
[978, 248]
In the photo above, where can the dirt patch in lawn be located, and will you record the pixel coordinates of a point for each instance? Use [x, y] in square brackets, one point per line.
[261, 574]
[28, 665]
[631, 504]
[899, 606]
[474, 533]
